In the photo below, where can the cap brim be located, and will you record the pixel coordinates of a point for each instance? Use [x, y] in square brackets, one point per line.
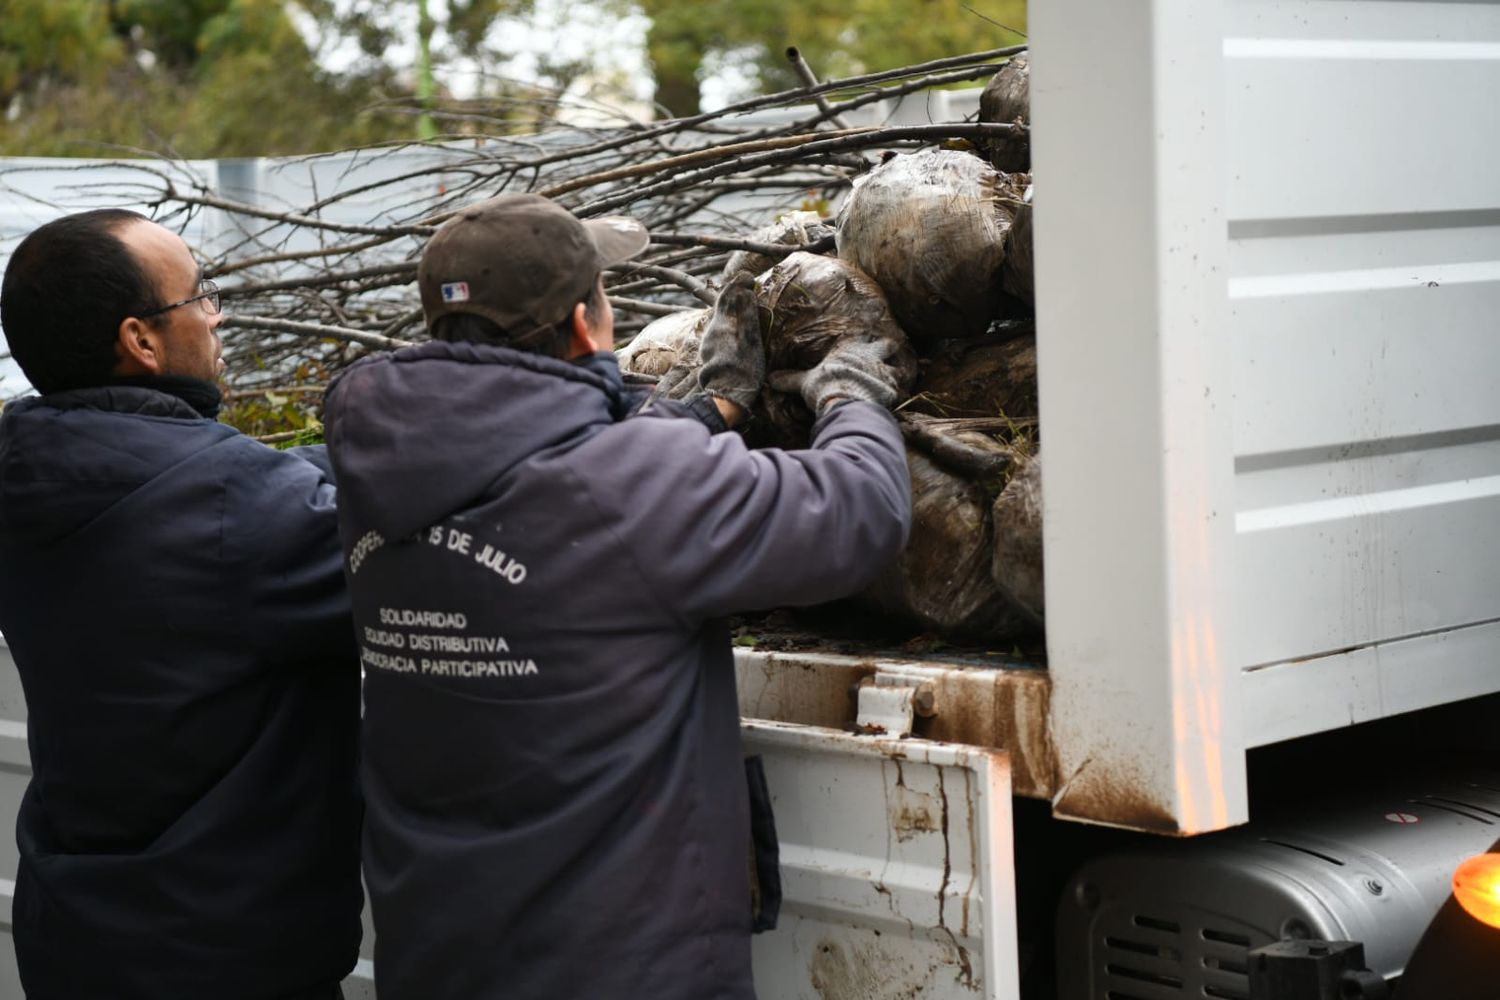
[617, 238]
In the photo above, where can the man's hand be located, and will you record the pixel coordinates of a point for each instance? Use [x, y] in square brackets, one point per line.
[854, 369]
[733, 351]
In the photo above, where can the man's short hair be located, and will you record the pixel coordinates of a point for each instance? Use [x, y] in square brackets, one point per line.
[68, 287]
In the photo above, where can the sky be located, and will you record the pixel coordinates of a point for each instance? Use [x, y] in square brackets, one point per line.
[614, 43]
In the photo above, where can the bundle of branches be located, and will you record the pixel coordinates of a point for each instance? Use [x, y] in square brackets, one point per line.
[323, 271]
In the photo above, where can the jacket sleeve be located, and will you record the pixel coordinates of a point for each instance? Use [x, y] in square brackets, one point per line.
[282, 525]
[317, 454]
[716, 528]
[699, 406]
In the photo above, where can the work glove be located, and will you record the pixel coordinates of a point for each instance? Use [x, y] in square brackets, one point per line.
[681, 380]
[733, 351]
[729, 360]
[854, 369]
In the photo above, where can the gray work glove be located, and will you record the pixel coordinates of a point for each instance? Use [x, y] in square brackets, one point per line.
[681, 380]
[733, 351]
[854, 369]
[730, 359]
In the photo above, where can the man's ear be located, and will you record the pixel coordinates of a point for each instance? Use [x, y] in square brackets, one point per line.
[138, 348]
[583, 341]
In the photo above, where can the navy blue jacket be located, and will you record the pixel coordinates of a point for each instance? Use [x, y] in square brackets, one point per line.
[556, 795]
[173, 597]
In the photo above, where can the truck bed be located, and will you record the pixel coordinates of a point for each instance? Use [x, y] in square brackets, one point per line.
[1000, 706]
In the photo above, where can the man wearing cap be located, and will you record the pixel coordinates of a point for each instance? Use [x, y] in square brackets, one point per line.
[539, 569]
[172, 593]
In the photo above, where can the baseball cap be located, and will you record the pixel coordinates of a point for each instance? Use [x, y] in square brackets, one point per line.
[521, 261]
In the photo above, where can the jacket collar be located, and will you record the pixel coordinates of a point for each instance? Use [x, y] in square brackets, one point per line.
[430, 429]
[153, 396]
[600, 370]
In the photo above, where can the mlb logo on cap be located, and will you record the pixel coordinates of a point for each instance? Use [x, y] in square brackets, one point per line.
[456, 291]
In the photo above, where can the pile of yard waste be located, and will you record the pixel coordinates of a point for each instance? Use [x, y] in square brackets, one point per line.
[932, 248]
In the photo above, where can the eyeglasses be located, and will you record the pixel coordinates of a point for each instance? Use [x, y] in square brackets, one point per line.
[208, 294]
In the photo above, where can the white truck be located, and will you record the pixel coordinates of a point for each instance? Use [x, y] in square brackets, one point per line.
[1268, 311]
[1268, 319]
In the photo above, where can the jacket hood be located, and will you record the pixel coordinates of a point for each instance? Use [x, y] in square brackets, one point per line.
[421, 433]
[67, 457]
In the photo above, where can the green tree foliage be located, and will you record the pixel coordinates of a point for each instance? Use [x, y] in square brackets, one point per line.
[172, 28]
[204, 78]
[198, 78]
[469, 22]
[837, 37]
[41, 39]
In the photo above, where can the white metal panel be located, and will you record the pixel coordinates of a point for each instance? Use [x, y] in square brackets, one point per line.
[1329, 575]
[1128, 118]
[360, 984]
[1333, 161]
[1312, 117]
[896, 859]
[10, 978]
[1330, 358]
[896, 868]
[1294, 699]
[1365, 301]
[1352, 107]
[15, 763]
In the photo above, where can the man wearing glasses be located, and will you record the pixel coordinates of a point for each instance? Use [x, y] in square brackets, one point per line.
[171, 592]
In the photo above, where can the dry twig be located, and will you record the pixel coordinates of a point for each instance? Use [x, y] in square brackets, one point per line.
[324, 272]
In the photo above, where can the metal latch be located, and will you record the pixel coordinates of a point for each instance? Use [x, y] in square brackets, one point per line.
[890, 700]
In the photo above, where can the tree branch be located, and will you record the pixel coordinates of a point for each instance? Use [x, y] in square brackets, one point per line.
[319, 330]
[645, 308]
[296, 255]
[708, 155]
[681, 279]
[749, 246]
[405, 269]
[804, 71]
[291, 218]
[860, 140]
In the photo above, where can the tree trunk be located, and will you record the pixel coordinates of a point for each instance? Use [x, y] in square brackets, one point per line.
[675, 62]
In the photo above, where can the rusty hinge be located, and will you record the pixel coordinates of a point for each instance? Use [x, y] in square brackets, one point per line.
[890, 700]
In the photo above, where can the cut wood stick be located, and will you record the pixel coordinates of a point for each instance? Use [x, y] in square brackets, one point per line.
[804, 71]
[368, 339]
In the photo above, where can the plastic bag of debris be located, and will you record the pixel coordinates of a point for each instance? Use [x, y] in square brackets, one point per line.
[1006, 100]
[943, 580]
[1016, 521]
[793, 229]
[933, 229]
[986, 377]
[951, 578]
[808, 303]
[665, 342]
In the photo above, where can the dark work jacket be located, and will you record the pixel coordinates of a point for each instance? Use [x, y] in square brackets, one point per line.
[557, 802]
[172, 594]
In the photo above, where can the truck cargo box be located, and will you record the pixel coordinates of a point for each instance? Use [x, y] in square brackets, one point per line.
[1268, 320]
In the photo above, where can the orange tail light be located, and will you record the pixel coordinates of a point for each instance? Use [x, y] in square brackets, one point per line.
[1476, 886]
